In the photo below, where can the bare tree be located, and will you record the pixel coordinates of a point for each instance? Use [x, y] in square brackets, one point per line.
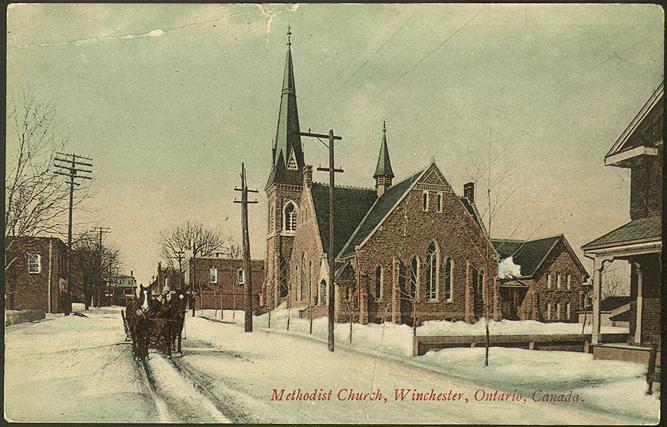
[94, 265]
[194, 237]
[496, 199]
[613, 286]
[35, 198]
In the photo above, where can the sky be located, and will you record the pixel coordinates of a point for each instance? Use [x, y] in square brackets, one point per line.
[169, 99]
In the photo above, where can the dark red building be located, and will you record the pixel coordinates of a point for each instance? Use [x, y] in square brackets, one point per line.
[219, 282]
[35, 277]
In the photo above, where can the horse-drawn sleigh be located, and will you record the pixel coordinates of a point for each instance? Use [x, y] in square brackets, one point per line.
[154, 323]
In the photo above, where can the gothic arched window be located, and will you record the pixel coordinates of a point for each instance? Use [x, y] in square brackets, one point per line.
[480, 284]
[290, 214]
[432, 257]
[448, 279]
[310, 280]
[378, 283]
[323, 292]
[302, 282]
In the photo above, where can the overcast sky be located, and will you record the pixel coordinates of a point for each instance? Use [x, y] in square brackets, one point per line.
[170, 99]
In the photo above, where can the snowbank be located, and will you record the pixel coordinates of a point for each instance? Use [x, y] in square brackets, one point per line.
[507, 268]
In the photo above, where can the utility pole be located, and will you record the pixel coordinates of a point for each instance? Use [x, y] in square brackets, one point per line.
[331, 256]
[246, 246]
[72, 167]
[99, 281]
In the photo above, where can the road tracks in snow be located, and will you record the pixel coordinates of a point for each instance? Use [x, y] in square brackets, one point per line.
[177, 397]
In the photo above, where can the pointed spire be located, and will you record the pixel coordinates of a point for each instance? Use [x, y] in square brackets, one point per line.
[288, 159]
[384, 163]
[383, 173]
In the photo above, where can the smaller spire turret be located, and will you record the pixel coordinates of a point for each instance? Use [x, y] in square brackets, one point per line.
[383, 172]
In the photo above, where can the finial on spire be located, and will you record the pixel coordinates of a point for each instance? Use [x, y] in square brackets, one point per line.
[384, 127]
[289, 35]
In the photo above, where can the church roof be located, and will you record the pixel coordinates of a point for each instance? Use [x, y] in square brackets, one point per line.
[383, 167]
[377, 212]
[351, 206]
[287, 144]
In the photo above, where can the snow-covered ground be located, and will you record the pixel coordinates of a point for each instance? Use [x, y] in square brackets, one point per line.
[81, 370]
[601, 381]
[76, 369]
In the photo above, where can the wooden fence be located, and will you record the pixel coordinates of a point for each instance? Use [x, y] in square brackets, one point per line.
[563, 342]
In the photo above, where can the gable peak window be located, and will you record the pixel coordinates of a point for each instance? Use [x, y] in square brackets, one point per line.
[34, 263]
[438, 200]
[549, 281]
[425, 201]
[558, 281]
[569, 281]
[291, 216]
[291, 162]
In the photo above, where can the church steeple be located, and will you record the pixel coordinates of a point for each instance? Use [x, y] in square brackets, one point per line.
[383, 173]
[288, 162]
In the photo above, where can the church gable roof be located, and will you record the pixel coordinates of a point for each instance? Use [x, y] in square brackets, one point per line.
[351, 204]
[380, 209]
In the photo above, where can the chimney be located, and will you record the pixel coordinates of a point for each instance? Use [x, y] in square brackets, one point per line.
[131, 273]
[307, 175]
[469, 191]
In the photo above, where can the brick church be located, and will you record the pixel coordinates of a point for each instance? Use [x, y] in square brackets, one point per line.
[408, 249]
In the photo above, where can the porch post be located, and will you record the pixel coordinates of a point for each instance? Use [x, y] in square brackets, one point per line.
[597, 278]
[640, 299]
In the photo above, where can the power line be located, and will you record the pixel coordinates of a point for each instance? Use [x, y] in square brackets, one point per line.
[337, 92]
[442, 43]
[70, 166]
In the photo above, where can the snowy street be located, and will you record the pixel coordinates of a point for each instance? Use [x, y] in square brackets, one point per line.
[225, 375]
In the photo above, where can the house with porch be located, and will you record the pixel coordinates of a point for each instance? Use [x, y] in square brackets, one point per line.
[639, 241]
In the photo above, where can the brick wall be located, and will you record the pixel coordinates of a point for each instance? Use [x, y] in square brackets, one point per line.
[226, 286]
[306, 252]
[646, 187]
[558, 261]
[456, 235]
[279, 245]
[24, 290]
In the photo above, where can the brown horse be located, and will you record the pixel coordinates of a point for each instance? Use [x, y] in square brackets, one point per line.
[138, 313]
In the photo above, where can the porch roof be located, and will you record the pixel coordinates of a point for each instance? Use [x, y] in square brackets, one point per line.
[513, 284]
[636, 231]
